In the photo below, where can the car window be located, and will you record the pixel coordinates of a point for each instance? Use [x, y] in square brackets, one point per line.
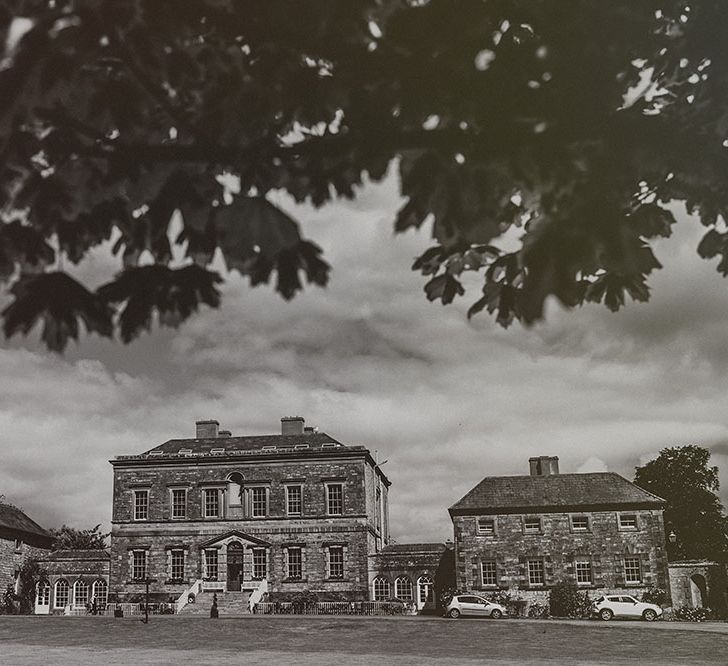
[467, 600]
[627, 600]
[598, 601]
[617, 599]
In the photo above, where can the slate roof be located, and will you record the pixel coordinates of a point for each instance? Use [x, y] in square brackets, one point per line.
[405, 548]
[91, 554]
[315, 440]
[553, 491]
[12, 518]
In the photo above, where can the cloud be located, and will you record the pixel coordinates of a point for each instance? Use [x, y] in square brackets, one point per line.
[592, 464]
[444, 400]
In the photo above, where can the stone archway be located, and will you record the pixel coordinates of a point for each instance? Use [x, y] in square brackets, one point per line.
[698, 590]
[234, 566]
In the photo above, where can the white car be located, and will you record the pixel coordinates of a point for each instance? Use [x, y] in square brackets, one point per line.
[622, 605]
[471, 604]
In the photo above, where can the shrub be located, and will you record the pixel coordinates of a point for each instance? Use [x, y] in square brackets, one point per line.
[687, 614]
[515, 607]
[565, 600]
[538, 610]
[655, 595]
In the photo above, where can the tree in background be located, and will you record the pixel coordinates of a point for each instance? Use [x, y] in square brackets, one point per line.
[539, 141]
[69, 538]
[683, 477]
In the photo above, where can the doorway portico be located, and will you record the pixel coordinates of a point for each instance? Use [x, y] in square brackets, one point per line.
[234, 562]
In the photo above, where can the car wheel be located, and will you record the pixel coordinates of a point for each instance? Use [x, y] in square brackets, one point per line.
[649, 615]
[454, 614]
[496, 614]
[606, 614]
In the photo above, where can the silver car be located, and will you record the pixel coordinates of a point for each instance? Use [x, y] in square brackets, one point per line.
[471, 604]
[625, 606]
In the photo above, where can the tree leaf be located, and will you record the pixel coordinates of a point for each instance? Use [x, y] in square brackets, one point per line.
[59, 302]
[174, 294]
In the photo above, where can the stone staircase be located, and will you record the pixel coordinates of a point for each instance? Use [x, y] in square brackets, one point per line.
[228, 603]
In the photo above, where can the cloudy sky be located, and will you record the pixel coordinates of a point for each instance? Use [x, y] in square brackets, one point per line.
[368, 360]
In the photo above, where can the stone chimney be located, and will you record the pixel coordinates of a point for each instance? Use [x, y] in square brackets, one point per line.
[207, 429]
[544, 465]
[292, 425]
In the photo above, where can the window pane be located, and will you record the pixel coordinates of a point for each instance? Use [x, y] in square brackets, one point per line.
[139, 565]
[403, 588]
[294, 500]
[583, 572]
[179, 503]
[178, 565]
[336, 562]
[295, 564]
[486, 526]
[259, 563]
[61, 595]
[335, 499]
[628, 520]
[211, 563]
[535, 572]
[141, 504]
[258, 502]
[427, 591]
[488, 571]
[381, 589]
[632, 573]
[101, 592]
[80, 594]
[580, 522]
[532, 524]
[212, 503]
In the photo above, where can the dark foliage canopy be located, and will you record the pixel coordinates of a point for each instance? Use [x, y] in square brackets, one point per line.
[684, 477]
[537, 140]
[70, 538]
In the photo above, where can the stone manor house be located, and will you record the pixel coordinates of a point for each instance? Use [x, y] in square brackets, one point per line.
[268, 517]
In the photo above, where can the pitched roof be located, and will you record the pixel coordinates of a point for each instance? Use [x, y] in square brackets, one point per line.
[14, 519]
[77, 554]
[553, 491]
[314, 440]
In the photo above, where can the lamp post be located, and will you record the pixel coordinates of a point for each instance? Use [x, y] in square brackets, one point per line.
[147, 580]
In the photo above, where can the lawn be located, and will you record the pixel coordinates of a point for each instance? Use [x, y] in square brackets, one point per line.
[316, 640]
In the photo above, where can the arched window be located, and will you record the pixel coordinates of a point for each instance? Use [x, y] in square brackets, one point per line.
[381, 589]
[60, 595]
[100, 592]
[42, 593]
[426, 589]
[403, 588]
[235, 489]
[80, 594]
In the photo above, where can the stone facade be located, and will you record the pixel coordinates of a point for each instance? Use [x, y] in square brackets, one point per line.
[524, 534]
[285, 513]
[71, 579]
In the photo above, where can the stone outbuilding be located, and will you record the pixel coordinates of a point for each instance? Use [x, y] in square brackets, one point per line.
[416, 573]
[523, 534]
[72, 579]
[699, 584]
[20, 538]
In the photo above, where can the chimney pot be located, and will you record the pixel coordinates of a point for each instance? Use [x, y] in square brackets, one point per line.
[544, 465]
[292, 425]
[207, 429]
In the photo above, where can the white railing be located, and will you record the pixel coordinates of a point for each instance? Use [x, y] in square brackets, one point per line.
[257, 594]
[195, 589]
[213, 586]
[330, 608]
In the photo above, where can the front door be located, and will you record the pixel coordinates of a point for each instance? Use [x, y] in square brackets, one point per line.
[42, 598]
[234, 566]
